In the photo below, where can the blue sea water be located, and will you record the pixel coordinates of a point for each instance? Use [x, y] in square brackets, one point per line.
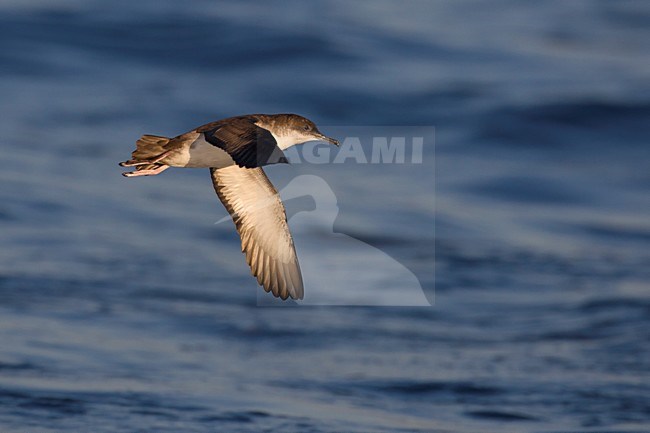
[123, 307]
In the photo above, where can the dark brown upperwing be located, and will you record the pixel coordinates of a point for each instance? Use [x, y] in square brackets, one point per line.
[247, 144]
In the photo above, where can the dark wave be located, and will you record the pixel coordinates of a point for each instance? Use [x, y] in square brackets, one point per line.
[500, 416]
[528, 190]
[572, 124]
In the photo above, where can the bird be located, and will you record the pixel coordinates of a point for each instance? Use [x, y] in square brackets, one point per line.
[235, 150]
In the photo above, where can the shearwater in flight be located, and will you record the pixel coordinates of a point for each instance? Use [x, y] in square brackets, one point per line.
[235, 150]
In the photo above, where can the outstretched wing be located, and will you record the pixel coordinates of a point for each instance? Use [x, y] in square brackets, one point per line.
[247, 144]
[261, 221]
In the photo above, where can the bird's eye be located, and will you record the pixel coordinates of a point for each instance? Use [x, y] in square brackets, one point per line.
[306, 127]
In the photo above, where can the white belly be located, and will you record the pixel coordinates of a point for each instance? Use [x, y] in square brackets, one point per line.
[203, 154]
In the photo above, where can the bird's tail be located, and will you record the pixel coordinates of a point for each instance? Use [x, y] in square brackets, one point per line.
[148, 149]
[147, 157]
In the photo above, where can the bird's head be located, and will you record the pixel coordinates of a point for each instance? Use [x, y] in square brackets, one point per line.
[292, 129]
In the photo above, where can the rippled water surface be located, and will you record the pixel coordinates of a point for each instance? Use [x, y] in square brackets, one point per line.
[123, 307]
